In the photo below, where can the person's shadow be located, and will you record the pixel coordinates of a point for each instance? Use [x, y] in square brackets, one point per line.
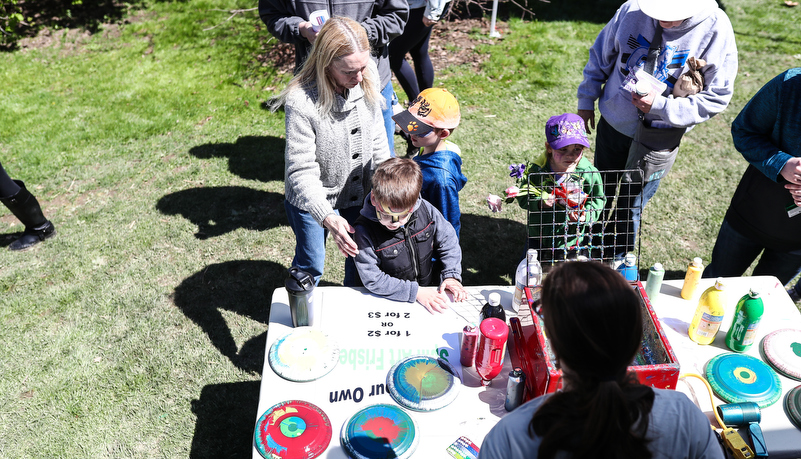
[491, 249]
[244, 287]
[226, 418]
[219, 210]
[250, 157]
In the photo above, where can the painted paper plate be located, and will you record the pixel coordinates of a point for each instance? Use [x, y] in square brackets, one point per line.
[740, 378]
[782, 350]
[304, 354]
[423, 383]
[292, 430]
[792, 406]
[380, 431]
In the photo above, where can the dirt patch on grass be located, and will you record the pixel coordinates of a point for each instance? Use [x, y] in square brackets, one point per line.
[452, 43]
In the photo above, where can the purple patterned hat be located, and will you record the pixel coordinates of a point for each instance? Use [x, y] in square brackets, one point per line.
[564, 130]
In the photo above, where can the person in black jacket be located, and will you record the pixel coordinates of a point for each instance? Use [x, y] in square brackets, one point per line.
[764, 216]
[400, 235]
[25, 207]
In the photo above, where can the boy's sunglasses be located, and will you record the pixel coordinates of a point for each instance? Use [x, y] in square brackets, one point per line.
[394, 217]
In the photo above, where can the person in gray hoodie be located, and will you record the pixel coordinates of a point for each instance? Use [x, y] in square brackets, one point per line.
[690, 28]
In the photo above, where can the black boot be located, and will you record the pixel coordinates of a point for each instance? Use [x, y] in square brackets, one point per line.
[26, 208]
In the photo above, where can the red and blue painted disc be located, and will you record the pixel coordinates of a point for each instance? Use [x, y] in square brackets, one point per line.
[738, 378]
[423, 383]
[378, 432]
[293, 430]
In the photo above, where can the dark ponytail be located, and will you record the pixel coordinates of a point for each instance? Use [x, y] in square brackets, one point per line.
[593, 320]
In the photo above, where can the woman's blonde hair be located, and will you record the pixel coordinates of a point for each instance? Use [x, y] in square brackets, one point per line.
[338, 38]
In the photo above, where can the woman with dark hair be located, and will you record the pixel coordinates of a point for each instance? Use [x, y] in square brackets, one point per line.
[593, 320]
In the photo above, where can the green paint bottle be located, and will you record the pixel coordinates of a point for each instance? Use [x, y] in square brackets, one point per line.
[747, 315]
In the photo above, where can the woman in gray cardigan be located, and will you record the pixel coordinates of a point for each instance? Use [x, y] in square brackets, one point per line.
[334, 141]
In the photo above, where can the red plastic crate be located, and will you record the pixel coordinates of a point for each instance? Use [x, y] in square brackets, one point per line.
[656, 364]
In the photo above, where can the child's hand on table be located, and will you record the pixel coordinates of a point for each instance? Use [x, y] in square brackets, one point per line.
[455, 288]
[432, 299]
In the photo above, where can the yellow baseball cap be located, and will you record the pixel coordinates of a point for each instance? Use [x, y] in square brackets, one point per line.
[432, 108]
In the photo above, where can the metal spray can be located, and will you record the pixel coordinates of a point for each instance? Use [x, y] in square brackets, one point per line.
[467, 355]
[514, 389]
[747, 315]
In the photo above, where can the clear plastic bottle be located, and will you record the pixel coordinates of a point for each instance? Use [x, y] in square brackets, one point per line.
[528, 274]
[692, 278]
[747, 315]
[534, 281]
[708, 314]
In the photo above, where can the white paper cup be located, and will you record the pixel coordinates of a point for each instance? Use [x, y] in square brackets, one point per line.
[317, 19]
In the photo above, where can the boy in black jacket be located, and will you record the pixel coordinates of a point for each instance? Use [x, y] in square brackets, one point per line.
[399, 234]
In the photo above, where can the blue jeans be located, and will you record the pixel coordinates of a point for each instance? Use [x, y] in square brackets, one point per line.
[734, 253]
[389, 124]
[310, 240]
[611, 153]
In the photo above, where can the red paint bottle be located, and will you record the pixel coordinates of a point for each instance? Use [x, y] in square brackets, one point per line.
[491, 348]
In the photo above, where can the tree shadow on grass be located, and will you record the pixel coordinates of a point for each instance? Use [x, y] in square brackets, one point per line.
[491, 249]
[226, 415]
[250, 157]
[220, 210]
[243, 287]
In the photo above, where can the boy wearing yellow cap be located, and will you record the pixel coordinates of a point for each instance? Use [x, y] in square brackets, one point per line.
[430, 120]
[399, 234]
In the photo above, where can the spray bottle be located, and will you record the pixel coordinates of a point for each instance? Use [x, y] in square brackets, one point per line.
[528, 270]
[708, 314]
[747, 315]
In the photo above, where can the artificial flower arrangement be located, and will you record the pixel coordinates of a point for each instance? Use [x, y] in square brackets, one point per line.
[565, 191]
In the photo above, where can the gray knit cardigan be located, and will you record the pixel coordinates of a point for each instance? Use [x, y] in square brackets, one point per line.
[329, 161]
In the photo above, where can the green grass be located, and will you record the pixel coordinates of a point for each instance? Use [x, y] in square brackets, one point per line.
[139, 330]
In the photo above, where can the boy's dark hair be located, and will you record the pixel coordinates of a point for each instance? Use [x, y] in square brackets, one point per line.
[593, 320]
[397, 183]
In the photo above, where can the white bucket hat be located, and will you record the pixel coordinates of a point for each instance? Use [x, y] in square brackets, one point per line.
[674, 10]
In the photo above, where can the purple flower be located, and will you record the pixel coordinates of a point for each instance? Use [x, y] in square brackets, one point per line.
[517, 171]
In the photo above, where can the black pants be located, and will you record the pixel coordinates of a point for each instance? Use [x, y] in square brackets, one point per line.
[8, 187]
[413, 40]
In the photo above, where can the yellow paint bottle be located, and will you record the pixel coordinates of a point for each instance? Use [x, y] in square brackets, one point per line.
[709, 314]
[692, 278]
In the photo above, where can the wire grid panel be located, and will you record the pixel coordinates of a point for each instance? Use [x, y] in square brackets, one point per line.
[585, 215]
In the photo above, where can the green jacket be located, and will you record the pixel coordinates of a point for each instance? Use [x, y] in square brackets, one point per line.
[551, 224]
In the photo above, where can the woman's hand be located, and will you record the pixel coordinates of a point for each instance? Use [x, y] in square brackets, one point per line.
[428, 22]
[792, 173]
[341, 230]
